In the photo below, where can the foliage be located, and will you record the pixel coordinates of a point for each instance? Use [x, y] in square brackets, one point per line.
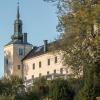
[4, 97]
[33, 95]
[41, 87]
[76, 84]
[59, 89]
[79, 22]
[9, 86]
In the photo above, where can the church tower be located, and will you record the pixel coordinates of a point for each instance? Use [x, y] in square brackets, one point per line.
[16, 50]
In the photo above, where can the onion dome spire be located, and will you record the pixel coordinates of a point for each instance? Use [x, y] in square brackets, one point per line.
[18, 35]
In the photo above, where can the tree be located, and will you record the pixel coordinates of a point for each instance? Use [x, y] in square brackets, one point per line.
[9, 87]
[79, 23]
[40, 86]
[59, 89]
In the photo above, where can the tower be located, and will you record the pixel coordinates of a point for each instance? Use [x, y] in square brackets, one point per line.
[16, 49]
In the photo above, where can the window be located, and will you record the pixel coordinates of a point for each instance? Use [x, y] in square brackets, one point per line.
[55, 59]
[61, 70]
[40, 64]
[18, 67]
[21, 52]
[54, 71]
[40, 74]
[25, 78]
[32, 76]
[47, 72]
[48, 61]
[7, 61]
[34, 66]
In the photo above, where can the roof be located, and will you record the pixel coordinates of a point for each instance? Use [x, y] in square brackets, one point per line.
[37, 51]
[11, 42]
[34, 52]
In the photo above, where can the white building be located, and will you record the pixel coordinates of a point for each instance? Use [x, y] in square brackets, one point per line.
[28, 62]
[16, 49]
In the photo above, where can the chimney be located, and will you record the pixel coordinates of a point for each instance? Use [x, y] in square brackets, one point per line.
[25, 38]
[45, 45]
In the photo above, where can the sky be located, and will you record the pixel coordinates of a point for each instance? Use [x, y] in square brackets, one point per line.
[39, 21]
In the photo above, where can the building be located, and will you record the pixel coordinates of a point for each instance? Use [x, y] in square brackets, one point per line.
[16, 49]
[28, 62]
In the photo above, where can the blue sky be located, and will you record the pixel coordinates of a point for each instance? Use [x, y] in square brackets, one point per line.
[39, 21]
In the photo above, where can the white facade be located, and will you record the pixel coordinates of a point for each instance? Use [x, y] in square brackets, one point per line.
[8, 60]
[13, 55]
[50, 64]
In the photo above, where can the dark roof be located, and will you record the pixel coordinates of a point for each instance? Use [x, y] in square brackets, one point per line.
[34, 52]
[11, 42]
[37, 51]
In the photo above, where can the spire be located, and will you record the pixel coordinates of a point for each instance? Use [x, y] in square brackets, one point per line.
[18, 35]
[18, 22]
[18, 14]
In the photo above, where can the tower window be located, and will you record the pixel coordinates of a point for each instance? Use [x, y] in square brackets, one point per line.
[56, 59]
[7, 61]
[18, 67]
[34, 66]
[40, 64]
[21, 52]
[48, 61]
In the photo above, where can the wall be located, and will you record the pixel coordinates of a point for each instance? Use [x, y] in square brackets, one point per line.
[28, 65]
[11, 53]
[8, 60]
[17, 57]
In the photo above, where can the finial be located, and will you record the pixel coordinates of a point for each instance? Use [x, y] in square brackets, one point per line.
[18, 2]
[18, 15]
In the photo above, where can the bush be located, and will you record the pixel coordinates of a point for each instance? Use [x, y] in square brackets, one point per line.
[59, 89]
